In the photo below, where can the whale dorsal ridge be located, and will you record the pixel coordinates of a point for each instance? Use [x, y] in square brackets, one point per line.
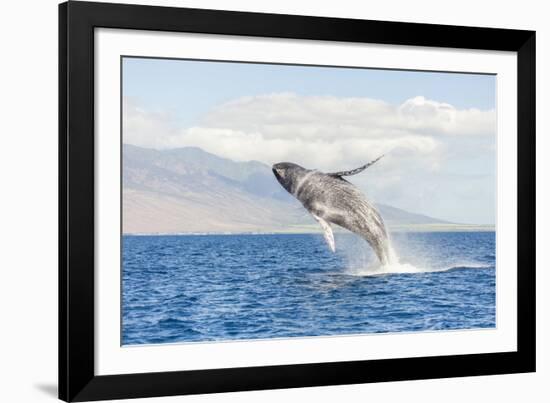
[356, 170]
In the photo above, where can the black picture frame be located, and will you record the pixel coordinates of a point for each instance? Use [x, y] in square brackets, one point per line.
[77, 379]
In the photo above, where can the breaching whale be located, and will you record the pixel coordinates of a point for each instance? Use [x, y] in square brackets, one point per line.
[329, 198]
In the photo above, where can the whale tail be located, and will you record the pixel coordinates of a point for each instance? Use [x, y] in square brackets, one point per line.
[356, 170]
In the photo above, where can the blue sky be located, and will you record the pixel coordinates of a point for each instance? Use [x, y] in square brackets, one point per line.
[438, 130]
[166, 84]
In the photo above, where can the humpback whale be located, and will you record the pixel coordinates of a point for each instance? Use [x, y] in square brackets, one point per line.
[331, 199]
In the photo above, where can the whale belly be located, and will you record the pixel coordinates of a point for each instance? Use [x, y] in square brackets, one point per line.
[337, 201]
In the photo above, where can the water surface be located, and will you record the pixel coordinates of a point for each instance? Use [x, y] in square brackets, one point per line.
[225, 287]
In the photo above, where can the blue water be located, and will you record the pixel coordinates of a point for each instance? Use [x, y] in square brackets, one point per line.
[228, 287]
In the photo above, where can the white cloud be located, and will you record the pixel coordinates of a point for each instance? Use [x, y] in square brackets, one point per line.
[317, 131]
[289, 115]
[424, 140]
[151, 129]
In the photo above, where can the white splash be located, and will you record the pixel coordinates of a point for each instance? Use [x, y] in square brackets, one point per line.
[362, 262]
[375, 268]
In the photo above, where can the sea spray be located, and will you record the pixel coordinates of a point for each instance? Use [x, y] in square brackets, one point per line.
[408, 257]
[362, 262]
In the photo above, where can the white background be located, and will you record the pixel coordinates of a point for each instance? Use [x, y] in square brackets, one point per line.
[28, 172]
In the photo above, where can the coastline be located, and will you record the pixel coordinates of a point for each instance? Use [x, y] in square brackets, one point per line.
[313, 230]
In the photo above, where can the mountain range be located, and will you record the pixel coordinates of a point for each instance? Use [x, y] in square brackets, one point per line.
[188, 190]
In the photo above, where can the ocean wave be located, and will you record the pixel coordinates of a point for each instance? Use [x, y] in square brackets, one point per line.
[407, 268]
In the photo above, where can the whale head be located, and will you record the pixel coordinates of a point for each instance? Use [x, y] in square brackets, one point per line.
[288, 173]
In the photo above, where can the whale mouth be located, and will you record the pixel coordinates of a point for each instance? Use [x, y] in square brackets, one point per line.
[276, 173]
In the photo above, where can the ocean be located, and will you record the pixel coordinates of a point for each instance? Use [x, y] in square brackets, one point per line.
[199, 288]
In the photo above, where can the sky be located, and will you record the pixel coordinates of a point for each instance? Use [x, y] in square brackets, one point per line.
[437, 131]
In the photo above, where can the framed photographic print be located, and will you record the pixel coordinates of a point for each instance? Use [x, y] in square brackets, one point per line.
[255, 201]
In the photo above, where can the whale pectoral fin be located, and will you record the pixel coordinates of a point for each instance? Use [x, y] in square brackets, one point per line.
[354, 171]
[329, 236]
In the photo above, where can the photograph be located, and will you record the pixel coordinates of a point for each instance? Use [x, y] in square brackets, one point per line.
[275, 201]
